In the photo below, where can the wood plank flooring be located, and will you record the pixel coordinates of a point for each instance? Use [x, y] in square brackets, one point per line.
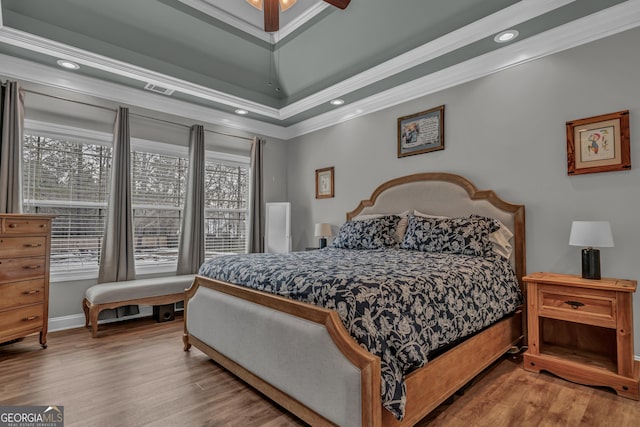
[136, 374]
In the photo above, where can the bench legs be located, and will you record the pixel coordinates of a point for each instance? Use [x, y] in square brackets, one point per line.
[91, 312]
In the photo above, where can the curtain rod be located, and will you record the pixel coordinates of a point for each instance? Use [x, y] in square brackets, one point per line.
[133, 114]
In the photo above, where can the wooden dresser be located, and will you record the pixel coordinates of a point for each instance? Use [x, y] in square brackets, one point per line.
[25, 245]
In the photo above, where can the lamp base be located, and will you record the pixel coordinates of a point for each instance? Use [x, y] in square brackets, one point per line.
[591, 264]
[322, 243]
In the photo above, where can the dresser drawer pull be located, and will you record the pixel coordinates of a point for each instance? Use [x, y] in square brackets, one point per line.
[33, 245]
[574, 304]
[13, 225]
[31, 292]
[30, 318]
[32, 267]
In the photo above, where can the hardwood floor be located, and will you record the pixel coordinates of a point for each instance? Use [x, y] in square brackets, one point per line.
[136, 374]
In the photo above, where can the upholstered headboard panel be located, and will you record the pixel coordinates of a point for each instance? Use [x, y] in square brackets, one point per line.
[448, 195]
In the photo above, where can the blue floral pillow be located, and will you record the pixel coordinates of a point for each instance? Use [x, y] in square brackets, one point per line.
[367, 234]
[466, 236]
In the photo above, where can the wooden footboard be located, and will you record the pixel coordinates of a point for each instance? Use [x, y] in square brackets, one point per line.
[323, 367]
[427, 387]
[432, 384]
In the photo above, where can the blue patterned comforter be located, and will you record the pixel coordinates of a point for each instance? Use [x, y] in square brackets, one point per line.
[400, 305]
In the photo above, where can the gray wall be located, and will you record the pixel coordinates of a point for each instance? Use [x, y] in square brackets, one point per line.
[504, 132]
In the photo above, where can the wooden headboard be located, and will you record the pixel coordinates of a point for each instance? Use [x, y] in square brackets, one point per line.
[448, 195]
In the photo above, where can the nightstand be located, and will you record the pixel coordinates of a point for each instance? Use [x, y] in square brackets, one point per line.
[582, 330]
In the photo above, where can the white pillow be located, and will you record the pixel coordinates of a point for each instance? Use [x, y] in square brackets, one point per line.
[500, 239]
[402, 225]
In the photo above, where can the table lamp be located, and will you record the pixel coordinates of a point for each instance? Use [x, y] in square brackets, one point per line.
[323, 231]
[590, 234]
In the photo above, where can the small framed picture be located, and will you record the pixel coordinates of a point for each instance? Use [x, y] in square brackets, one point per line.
[324, 183]
[421, 132]
[598, 144]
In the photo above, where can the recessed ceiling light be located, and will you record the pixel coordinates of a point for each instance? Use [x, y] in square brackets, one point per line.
[506, 36]
[68, 64]
[242, 112]
[336, 102]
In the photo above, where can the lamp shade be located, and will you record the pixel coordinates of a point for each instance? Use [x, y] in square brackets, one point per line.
[323, 230]
[591, 233]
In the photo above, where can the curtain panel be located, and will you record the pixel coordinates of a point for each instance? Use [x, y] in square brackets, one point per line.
[11, 133]
[116, 256]
[256, 202]
[191, 250]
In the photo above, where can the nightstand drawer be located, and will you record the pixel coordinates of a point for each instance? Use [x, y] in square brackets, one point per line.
[593, 307]
[14, 247]
[18, 294]
[25, 226]
[22, 320]
[22, 268]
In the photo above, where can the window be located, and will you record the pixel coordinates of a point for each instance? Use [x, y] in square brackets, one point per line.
[70, 180]
[66, 172]
[158, 194]
[226, 207]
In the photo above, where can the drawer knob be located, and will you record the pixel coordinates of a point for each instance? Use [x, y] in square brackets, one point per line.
[32, 267]
[33, 245]
[13, 225]
[31, 292]
[574, 304]
[27, 319]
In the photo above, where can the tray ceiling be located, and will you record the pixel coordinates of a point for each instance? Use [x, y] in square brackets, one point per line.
[215, 58]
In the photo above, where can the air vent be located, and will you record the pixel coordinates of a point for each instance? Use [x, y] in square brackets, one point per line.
[158, 89]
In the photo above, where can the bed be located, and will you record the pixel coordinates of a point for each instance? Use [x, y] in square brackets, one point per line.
[303, 356]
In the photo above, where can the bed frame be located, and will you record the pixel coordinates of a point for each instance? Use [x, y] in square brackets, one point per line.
[303, 358]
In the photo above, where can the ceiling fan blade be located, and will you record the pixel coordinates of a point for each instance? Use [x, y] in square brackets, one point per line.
[340, 4]
[271, 16]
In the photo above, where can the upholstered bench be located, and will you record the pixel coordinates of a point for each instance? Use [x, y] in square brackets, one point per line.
[153, 291]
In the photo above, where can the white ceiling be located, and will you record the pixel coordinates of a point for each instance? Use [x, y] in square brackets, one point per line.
[374, 54]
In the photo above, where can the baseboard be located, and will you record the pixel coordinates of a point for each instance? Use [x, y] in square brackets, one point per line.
[77, 320]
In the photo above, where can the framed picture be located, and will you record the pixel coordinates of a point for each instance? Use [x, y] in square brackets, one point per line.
[421, 132]
[598, 144]
[324, 183]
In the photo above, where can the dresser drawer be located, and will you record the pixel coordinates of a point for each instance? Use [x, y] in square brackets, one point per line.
[24, 226]
[593, 307]
[26, 319]
[17, 294]
[14, 247]
[22, 268]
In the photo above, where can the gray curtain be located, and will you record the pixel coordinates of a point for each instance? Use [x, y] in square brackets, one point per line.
[256, 202]
[11, 130]
[116, 257]
[191, 248]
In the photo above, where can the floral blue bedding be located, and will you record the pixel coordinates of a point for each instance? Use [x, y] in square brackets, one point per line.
[401, 305]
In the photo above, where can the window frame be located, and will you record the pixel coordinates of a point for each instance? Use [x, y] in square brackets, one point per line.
[76, 134]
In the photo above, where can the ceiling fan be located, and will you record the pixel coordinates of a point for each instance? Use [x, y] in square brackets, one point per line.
[272, 14]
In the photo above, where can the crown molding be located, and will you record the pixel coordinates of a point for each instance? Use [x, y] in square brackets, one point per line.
[488, 26]
[228, 18]
[251, 29]
[614, 20]
[59, 50]
[28, 71]
[302, 19]
[506, 18]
